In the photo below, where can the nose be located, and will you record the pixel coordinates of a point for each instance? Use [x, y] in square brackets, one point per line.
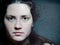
[18, 25]
[16, 28]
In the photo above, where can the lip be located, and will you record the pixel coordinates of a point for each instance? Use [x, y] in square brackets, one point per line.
[18, 33]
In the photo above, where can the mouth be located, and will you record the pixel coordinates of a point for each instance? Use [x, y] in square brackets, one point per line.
[18, 33]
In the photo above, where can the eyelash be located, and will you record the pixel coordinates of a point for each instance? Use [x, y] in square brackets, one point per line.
[12, 18]
[9, 18]
[25, 18]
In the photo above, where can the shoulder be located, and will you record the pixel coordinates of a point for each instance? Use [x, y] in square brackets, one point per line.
[44, 40]
[39, 40]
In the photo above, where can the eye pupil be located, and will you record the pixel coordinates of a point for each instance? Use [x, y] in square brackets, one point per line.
[11, 18]
[24, 17]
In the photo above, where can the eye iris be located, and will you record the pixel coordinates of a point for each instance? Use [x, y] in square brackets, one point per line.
[24, 17]
[11, 18]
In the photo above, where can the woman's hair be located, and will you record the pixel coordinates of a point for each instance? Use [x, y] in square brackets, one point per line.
[30, 3]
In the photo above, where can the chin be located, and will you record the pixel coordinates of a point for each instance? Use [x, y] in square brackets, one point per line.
[18, 38]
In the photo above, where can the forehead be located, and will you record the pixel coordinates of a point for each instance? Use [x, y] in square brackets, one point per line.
[18, 9]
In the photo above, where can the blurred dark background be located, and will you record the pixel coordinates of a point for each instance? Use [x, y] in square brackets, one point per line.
[48, 24]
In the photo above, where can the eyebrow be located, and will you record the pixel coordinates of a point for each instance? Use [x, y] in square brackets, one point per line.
[15, 17]
[10, 16]
[25, 16]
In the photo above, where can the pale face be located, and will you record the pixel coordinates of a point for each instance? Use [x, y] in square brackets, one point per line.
[18, 21]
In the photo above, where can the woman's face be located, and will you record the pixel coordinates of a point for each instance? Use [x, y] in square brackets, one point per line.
[18, 21]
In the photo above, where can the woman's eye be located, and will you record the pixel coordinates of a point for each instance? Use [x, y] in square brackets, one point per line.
[25, 18]
[10, 18]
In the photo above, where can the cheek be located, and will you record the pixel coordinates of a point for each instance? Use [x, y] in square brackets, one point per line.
[28, 23]
[27, 27]
[27, 30]
[8, 25]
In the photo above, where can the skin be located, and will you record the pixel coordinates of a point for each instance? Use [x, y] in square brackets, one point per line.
[18, 21]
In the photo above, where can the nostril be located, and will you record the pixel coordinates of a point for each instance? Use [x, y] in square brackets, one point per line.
[17, 28]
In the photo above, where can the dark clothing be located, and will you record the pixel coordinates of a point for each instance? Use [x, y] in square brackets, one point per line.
[38, 40]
